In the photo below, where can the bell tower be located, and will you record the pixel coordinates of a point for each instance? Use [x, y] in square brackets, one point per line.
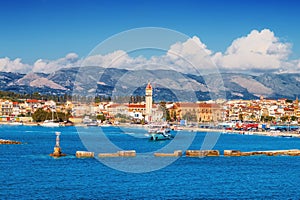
[148, 102]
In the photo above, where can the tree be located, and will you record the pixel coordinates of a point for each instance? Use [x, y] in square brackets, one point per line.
[39, 115]
[294, 118]
[174, 117]
[166, 112]
[267, 118]
[101, 117]
[190, 116]
[241, 117]
[284, 118]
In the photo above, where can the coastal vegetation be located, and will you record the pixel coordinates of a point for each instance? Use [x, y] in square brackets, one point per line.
[41, 115]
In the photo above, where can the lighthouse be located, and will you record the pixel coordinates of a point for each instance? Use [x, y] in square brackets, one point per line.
[148, 103]
[57, 150]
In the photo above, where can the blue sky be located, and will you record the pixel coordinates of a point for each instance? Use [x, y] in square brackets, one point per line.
[50, 29]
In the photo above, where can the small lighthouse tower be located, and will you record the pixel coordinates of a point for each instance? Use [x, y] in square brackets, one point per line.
[57, 149]
[148, 102]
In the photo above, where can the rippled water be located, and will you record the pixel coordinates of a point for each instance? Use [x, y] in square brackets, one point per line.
[27, 172]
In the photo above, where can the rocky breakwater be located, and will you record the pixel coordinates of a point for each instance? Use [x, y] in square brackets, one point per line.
[84, 154]
[128, 153]
[2, 141]
[176, 153]
[291, 152]
[201, 153]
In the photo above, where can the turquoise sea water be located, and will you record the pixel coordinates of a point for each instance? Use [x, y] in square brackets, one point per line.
[27, 172]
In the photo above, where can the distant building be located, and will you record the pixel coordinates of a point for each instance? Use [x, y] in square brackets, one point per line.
[6, 108]
[149, 100]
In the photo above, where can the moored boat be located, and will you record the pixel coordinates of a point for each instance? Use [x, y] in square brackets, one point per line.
[50, 123]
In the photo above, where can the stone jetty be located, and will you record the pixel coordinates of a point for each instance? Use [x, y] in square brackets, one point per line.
[176, 153]
[128, 153]
[201, 153]
[84, 154]
[291, 152]
[2, 141]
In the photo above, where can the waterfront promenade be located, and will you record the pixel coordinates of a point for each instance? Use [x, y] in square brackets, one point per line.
[191, 129]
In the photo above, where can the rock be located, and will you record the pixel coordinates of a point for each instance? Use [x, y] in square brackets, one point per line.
[2, 141]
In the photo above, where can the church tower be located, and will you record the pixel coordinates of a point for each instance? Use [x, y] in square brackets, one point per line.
[148, 102]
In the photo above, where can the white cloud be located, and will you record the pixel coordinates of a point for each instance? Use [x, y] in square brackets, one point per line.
[190, 56]
[16, 65]
[257, 51]
[48, 66]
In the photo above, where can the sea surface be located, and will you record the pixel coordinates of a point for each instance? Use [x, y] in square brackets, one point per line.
[28, 172]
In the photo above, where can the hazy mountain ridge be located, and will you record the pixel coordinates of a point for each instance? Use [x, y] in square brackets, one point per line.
[168, 85]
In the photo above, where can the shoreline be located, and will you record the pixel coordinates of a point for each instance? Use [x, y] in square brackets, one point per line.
[191, 129]
[260, 133]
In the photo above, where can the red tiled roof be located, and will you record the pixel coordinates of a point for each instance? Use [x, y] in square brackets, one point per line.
[32, 101]
[187, 104]
[149, 86]
[137, 105]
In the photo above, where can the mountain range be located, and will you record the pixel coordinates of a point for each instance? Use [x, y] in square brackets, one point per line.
[168, 85]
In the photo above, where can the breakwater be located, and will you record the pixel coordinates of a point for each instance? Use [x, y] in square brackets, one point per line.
[2, 141]
[194, 153]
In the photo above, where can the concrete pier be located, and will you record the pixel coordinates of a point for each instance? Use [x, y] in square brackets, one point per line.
[232, 153]
[128, 153]
[108, 155]
[201, 153]
[84, 154]
[176, 153]
[291, 152]
[9, 142]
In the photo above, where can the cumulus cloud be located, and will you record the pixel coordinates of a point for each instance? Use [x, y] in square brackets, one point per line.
[16, 65]
[190, 56]
[259, 50]
[48, 66]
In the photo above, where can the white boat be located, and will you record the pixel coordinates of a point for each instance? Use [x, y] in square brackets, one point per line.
[159, 132]
[50, 123]
[105, 125]
[16, 123]
[160, 135]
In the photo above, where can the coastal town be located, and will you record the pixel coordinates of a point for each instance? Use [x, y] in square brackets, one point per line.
[244, 115]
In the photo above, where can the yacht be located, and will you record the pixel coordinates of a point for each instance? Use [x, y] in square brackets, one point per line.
[50, 123]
